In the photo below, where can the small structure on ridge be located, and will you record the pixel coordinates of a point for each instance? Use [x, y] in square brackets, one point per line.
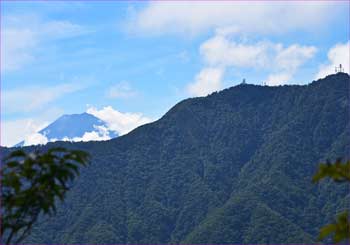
[339, 68]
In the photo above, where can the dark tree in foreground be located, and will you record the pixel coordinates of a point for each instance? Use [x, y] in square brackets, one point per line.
[339, 172]
[30, 185]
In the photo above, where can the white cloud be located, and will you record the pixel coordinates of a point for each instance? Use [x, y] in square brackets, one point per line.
[14, 131]
[278, 79]
[101, 133]
[38, 138]
[23, 35]
[338, 54]
[282, 62]
[192, 18]
[221, 51]
[89, 136]
[16, 48]
[239, 19]
[287, 61]
[28, 99]
[35, 139]
[293, 56]
[207, 81]
[121, 90]
[119, 122]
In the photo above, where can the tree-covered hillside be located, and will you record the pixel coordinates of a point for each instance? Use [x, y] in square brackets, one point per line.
[233, 167]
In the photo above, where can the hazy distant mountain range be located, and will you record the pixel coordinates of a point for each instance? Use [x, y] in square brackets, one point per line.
[76, 127]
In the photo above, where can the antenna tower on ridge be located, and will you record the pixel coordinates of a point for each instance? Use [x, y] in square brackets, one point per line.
[339, 68]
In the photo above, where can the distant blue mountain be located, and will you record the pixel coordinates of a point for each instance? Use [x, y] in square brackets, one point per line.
[72, 126]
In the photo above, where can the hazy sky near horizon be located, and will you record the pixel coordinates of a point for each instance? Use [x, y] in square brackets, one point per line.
[136, 60]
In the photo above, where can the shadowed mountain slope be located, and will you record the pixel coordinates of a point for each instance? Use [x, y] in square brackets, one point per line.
[232, 167]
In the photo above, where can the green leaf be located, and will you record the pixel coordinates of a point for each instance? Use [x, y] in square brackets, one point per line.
[326, 231]
[45, 174]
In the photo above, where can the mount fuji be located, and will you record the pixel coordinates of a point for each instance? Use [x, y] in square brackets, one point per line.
[76, 127]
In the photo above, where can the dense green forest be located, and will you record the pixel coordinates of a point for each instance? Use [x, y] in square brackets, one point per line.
[233, 167]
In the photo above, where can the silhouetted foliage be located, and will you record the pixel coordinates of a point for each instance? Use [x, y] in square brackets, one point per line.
[339, 172]
[30, 184]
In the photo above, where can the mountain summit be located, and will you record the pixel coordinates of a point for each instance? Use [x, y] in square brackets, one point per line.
[76, 127]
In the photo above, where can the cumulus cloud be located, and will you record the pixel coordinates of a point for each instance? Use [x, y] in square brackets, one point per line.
[293, 56]
[122, 123]
[35, 139]
[287, 61]
[193, 18]
[23, 35]
[278, 79]
[101, 133]
[222, 52]
[338, 54]
[207, 81]
[121, 90]
[238, 19]
[89, 136]
[14, 131]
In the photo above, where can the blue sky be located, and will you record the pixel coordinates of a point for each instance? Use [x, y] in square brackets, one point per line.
[135, 60]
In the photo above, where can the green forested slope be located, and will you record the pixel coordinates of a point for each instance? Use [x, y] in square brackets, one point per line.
[232, 167]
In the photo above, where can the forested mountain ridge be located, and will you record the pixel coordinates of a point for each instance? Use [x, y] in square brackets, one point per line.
[232, 167]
